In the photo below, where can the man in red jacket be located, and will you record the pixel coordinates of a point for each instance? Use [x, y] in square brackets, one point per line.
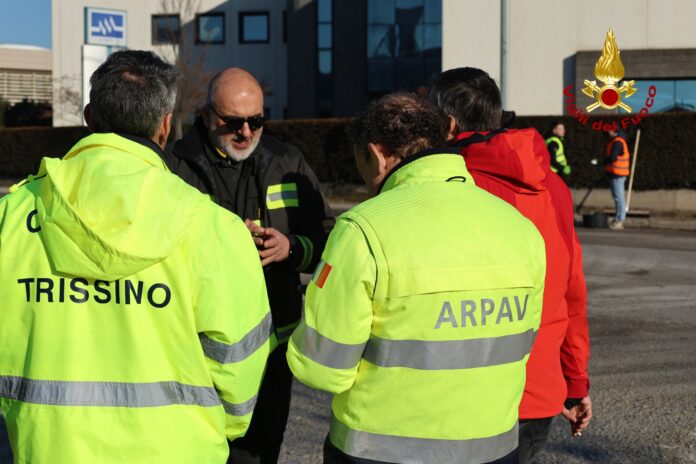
[513, 164]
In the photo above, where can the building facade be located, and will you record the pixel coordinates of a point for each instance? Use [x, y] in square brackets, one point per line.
[208, 34]
[25, 74]
[535, 49]
[318, 58]
[344, 53]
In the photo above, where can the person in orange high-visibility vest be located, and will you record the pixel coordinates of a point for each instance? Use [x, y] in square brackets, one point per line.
[616, 164]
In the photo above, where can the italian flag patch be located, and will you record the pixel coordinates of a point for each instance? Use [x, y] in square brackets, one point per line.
[322, 273]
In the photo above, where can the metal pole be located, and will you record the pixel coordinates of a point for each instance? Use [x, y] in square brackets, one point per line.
[503, 51]
[633, 171]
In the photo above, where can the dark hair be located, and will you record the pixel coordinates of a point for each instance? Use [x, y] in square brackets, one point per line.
[470, 96]
[405, 123]
[553, 126]
[131, 92]
[508, 119]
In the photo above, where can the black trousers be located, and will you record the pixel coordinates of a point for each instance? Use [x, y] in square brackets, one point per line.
[333, 455]
[261, 444]
[533, 436]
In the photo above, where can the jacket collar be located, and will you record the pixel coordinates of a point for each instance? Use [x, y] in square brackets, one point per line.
[146, 142]
[144, 149]
[517, 158]
[432, 165]
[464, 139]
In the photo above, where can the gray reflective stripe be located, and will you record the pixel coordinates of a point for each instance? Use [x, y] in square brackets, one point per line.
[325, 351]
[119, 394]
[286, 195]
[252, 341]
[241, 409]
[392, 448]
[450, 354]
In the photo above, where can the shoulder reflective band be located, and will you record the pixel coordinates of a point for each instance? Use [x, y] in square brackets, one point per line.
[392, 448]
[241, 409]
[282, 196]
[118, 394]
[325, 351]
[252, 341]
[308, 250]
[283, 333]
[450, 354]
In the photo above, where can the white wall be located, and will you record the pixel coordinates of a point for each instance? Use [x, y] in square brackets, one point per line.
[543, 33]
[471, 35]
[268, 62]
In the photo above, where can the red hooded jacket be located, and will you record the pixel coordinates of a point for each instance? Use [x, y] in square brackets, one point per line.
[513, 165]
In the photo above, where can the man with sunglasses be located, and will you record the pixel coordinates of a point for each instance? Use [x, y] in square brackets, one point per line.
[269, 184]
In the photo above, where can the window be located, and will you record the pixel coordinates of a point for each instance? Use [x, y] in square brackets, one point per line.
[672, 95]
[254, 27]
[165, 29]
[210, 28]
[404, 43]
[324, 57]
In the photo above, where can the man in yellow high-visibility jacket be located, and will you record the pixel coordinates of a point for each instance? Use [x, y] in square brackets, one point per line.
[422, 314]
[555, 144]
[135, 323]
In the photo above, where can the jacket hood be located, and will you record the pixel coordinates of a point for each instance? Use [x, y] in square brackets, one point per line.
[110, 208]
[516, 157]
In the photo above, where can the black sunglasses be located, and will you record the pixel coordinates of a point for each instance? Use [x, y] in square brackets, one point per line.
[235, 123]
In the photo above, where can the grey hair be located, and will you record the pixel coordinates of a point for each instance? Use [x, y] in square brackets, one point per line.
[131, 92]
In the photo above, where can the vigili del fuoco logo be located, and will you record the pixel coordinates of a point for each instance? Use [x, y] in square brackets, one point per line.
[609, 71]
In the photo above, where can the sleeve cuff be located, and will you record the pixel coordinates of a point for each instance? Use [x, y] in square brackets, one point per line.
[577, 388]
[301, 252]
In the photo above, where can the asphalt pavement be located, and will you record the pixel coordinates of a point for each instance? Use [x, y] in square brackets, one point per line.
[642, 313]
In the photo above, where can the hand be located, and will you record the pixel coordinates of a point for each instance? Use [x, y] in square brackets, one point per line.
[579, 416]
[566, 170]
[274, 245]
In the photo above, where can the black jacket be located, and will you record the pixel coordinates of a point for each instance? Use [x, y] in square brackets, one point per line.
[299, 211]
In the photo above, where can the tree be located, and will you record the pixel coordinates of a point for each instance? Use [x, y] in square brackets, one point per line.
[193, 83]
[67, 95]
[29, 113]
[3, 106]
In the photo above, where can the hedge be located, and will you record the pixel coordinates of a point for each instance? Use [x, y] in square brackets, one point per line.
[666, 155]
[21, 149]
[666, 152]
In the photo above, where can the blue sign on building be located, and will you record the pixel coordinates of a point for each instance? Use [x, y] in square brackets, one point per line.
[105, 27]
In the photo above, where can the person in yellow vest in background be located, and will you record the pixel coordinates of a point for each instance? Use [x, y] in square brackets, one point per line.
[135, 322]
[422, 313]
[616, 164]
[555, 144]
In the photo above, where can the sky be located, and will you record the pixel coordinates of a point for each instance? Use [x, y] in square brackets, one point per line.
[25, 22]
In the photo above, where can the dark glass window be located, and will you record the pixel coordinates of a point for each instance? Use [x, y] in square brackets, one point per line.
[685, 94]
[165, 29]
[210, 28]
[324, 36]
[380, 12]
[672, 95]
[324, 11]
[324, 57]
[404, 43]
[254, 27]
